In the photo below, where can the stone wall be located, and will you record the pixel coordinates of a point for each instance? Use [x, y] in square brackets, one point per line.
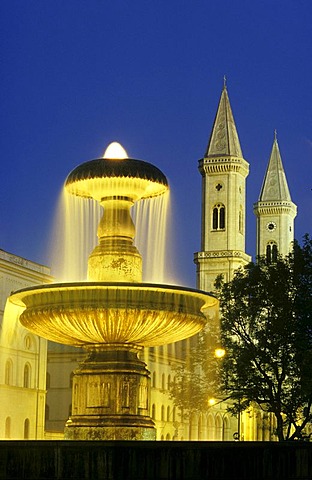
[155, 460]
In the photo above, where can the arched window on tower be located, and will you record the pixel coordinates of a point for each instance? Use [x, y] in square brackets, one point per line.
[271, 252]
[218, 217]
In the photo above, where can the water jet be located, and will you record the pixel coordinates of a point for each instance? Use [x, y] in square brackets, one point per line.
[113, 315]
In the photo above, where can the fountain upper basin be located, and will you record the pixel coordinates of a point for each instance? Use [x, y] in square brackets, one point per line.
[89, 313]
[104, 177]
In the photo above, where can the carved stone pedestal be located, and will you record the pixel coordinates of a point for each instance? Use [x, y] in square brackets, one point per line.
[111, 395]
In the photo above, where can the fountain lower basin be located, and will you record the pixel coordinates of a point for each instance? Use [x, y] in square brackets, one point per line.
[93, 313]
[113, 322]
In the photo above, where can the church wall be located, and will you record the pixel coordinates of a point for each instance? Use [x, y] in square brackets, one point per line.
[224, 173]
[281, 232]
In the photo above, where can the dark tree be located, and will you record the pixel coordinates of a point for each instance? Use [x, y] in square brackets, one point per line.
[197, 378]
[266, 313]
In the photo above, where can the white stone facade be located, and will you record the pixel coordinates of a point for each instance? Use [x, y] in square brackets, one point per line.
[22, 356]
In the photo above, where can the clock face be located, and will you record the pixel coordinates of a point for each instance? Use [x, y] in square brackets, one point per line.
[271, 226]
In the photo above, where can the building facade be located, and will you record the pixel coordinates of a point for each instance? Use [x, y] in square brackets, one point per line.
[22, 355]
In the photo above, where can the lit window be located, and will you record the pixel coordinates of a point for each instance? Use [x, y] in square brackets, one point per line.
[218, 217]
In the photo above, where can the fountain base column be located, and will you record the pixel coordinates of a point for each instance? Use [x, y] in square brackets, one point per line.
[111, 396]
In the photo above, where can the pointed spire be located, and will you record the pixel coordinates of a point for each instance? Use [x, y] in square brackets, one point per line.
[275, 187]
[224, 137]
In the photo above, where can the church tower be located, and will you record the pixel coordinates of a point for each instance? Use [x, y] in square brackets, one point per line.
[224, 172]
[275, 210]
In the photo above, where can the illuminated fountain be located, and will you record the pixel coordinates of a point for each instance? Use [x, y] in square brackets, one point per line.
[113, 315]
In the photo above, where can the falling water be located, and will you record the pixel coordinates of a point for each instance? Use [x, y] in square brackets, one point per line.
[151, 218]
[74, 237]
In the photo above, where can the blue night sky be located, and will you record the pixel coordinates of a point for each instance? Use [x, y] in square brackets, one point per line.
[77, 75]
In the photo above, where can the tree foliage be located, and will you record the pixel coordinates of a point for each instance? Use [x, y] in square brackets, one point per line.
[267, 333]
[197, 378]
[266, 330]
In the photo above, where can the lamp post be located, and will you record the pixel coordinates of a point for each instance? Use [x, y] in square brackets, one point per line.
[237, 435]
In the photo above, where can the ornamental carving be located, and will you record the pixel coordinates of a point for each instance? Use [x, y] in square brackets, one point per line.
[220, 253]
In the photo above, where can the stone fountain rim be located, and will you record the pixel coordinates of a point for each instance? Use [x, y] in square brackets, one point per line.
[163, 303]
[86, 285]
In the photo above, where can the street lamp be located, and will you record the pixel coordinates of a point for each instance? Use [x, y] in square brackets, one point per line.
[219, 352]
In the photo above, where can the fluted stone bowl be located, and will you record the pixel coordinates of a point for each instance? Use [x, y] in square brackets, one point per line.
[93, 313]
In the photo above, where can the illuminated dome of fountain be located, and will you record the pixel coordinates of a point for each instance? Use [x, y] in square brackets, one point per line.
[113, 315]
[116, 176]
